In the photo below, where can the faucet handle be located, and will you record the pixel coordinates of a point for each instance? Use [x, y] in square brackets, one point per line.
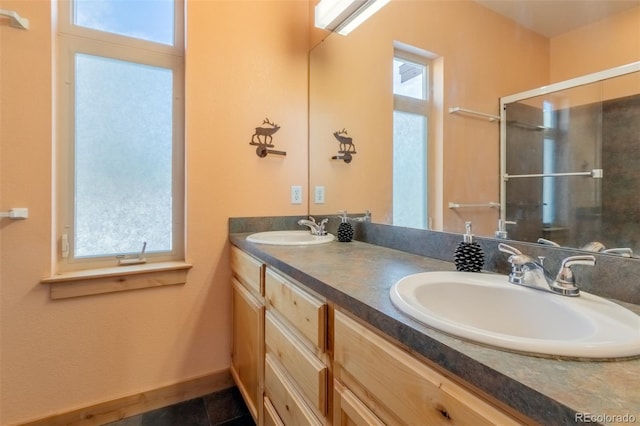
[517, 260]
[505, 248]
[565, 274]
[548, 242]
[585, 259]
[565, 281]
[620, 251]
[516, 257]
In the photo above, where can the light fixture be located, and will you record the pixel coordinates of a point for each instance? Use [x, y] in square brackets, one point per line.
[343, 16]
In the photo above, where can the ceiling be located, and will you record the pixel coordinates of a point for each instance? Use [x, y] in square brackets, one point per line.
[554, 17]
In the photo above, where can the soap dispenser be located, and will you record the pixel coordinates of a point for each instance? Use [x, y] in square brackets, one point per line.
[345, 229]
[468, 256]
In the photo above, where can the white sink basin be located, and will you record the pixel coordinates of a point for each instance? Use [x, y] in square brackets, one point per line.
[487, 309]
[289, 238]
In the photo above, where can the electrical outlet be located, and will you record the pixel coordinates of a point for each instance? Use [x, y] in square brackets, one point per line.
[296, 194]
[319, 195]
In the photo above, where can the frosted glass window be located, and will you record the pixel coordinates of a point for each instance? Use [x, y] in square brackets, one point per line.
[123, 156]
[409, 79]
[409, 170]
[151, 20]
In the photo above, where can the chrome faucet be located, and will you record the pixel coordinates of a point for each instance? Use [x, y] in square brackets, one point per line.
[502, 228]
[530, 272]
[315, 228]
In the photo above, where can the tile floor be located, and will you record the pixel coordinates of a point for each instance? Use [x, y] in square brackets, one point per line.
[223, 408]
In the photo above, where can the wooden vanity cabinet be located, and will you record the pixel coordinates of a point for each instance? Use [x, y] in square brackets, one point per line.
[248, 308]
[296, 364]
[298, 361]
[378, 381]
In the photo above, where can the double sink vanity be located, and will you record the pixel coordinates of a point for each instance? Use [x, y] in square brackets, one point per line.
[336, 333]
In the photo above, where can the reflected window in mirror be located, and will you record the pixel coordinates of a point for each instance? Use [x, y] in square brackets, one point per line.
[548, 166]
[410, 129]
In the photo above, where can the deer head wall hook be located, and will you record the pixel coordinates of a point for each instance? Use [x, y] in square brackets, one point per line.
[263, 138]
[347, 147]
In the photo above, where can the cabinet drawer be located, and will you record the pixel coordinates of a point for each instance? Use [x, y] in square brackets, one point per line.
[416, 393]
[247, 269]
[302, 310]
[289, 405]
[349, 410]
[309, 373]
[271, 417]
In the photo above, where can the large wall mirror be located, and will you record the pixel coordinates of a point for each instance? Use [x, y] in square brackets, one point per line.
[413, 96]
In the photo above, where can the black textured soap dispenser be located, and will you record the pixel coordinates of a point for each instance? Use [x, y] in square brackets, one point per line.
[345, 230]
[468, 256]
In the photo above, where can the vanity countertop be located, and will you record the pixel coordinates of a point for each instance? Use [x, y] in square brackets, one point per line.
[357, 276]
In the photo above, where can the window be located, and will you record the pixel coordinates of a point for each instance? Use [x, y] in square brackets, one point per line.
[121, 139]
[410, 130]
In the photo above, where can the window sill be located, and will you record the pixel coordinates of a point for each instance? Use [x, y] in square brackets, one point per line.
[117, 278]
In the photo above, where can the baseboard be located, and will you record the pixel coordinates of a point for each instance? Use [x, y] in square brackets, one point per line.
[131, 405]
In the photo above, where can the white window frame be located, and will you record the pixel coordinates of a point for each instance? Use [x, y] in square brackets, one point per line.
[74, 39]
[407, 103]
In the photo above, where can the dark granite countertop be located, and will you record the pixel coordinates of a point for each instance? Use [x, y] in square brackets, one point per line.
[357, 277]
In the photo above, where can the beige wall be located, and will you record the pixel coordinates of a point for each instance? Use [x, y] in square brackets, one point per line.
[245, 61]
[605, 44]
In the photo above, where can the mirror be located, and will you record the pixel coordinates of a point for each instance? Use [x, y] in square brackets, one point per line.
[474, 56]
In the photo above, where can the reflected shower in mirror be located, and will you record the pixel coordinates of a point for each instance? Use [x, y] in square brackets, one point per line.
[572, 151]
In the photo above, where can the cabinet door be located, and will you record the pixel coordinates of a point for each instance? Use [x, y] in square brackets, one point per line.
[247, 350]
[349, 410]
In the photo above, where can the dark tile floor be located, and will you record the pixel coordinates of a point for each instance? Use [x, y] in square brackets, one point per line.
[223, 408]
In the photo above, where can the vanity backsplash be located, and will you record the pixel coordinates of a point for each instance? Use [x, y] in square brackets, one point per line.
[613, 276]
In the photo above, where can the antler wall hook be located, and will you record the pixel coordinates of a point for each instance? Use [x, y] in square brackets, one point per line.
[347, 147]
[263, 138]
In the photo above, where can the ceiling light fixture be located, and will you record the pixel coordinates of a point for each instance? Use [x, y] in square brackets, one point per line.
[343, 16]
